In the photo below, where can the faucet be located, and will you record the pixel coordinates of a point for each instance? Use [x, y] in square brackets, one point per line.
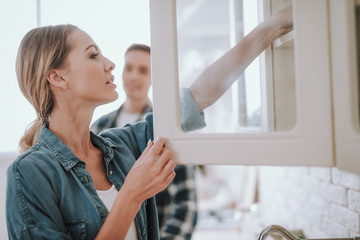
[279, 229]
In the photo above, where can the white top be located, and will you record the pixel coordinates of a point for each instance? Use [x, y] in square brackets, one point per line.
[108, 197]
[124, 118]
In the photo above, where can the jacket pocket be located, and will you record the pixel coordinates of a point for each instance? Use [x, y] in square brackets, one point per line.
[76, 228]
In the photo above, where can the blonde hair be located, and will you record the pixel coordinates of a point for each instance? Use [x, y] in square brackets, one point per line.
[41, 50]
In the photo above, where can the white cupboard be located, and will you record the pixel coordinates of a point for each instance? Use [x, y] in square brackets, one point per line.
[345, 79]
[292, 122]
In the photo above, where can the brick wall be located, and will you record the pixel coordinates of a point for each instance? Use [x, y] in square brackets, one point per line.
[322, 202]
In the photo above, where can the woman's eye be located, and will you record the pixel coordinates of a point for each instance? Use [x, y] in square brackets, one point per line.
[94, 55]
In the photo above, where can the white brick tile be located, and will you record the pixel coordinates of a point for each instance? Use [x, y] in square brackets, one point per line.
[320, 205]
[324, 202]
[333, 193]
[297, 174]
[346, 179]
[334, 229]
[309, 219]
[323, 173]
[354, 200]
[345, 217]
[311, 185]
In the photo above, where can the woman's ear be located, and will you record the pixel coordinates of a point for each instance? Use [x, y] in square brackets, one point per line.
[55, 78]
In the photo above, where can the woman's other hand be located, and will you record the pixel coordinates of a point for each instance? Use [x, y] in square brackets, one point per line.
[151, 173]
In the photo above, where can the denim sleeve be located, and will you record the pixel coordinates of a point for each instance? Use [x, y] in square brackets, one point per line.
[136, 135]
[31, 211]
[191, 118]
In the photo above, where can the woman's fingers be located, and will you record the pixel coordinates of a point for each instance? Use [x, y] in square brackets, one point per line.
[152, 172]
[285, 16]
[164, 157]
[146, 150]
[167, 173]
[157, 147]
[148, 147]
[169, 167]
[163, 160]
[169, 178]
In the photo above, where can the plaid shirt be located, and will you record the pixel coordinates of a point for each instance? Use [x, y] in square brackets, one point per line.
[177, 204]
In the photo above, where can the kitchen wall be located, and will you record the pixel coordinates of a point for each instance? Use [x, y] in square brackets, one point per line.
[322, 202]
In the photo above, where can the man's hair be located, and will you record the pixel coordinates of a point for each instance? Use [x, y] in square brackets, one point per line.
[136, 46]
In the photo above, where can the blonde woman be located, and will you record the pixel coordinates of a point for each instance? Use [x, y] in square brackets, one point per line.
[55, 187]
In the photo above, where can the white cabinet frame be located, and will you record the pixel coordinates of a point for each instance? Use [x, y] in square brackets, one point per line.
[309, 143]
[345, 67]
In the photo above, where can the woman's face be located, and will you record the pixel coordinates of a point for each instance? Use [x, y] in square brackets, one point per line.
[88, 72]
[136, 74]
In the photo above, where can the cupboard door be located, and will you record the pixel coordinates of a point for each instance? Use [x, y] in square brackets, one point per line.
[303, 139]
[345, 30]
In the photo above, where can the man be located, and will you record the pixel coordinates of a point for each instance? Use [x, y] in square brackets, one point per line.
[177, 205]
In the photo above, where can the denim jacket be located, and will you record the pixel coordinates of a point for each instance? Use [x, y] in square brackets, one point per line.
[50, 194]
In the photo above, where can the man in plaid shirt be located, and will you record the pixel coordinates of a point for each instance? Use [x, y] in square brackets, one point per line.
[177, 204]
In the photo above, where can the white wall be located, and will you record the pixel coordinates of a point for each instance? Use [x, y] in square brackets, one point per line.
[5, 160]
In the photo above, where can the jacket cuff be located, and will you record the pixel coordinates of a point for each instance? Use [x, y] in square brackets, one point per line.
[191, 117]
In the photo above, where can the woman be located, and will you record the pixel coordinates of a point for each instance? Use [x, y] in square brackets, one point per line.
[55, 186]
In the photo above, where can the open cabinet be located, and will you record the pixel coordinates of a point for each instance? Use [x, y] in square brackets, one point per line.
[292, 121]
[345, 46]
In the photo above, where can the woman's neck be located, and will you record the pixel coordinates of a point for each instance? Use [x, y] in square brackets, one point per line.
[72, 127]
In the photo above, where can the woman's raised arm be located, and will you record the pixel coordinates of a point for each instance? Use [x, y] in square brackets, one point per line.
[218, 77]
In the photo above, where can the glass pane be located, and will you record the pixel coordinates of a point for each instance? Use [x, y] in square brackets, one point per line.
[261, 99]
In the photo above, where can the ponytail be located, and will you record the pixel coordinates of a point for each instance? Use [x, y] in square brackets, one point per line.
[30, 136]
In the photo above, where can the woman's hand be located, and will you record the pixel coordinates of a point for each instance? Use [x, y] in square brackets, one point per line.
[283, 20]
[151, 173]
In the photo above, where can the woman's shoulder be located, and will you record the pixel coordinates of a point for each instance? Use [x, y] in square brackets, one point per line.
[34, 158]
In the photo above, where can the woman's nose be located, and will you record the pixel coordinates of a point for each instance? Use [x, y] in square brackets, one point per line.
[109, 66]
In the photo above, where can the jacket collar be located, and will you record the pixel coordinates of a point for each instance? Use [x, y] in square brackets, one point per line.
[63, 153]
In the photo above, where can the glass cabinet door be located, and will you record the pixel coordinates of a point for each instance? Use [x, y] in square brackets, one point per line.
[278, 112]
[201, 39]
[345, 47]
